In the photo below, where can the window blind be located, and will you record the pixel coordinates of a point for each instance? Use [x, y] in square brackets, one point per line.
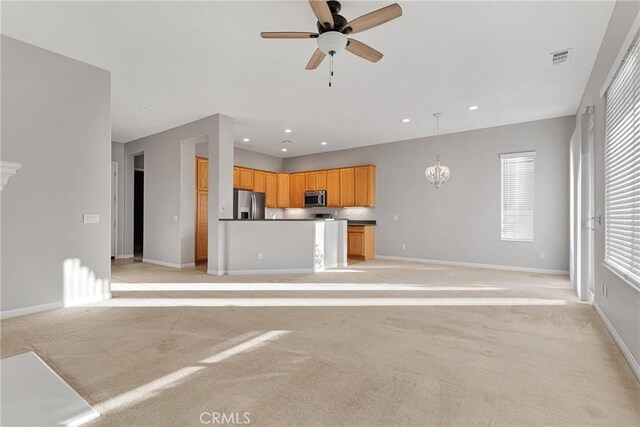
[518, 196]
[622, 169]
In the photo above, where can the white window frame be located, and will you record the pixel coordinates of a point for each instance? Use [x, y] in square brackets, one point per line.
[505, 156]
[631, 276]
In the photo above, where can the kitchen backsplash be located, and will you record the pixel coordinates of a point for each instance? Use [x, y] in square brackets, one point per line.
[351, 213]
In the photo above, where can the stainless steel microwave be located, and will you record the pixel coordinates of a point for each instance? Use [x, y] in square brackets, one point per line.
[315, 198]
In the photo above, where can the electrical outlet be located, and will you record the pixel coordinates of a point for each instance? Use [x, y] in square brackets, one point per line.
[260, 256]
[543, 255]
[395, 217]
[175, 218]
[91, 218]
[404, 246]
[606, 291]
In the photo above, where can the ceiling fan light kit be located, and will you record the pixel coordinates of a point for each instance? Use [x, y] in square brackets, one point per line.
[333, 30]
[332, 42]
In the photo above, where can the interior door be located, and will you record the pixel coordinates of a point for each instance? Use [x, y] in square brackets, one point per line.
[587, 204]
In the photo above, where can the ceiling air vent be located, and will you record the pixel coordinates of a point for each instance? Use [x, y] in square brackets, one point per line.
[559, 57]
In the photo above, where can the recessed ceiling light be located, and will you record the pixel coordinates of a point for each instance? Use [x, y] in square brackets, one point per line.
[246, 140]
[323, 143]
[288, 131]
[145, 109]
[473, 107]
[406, 120]
[284, 150]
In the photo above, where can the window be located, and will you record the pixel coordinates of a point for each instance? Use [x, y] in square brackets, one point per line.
[517, 206]
[622, 169]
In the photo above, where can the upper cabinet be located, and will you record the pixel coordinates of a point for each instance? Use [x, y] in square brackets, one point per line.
[365, 186]
[271, 187]
[347, 182]
[321, 180]
[333, 188]
[283, 190]
[345, 187]
[259, 181]
[236, 177]
[298, 184]
[246, 179]
[310, 181]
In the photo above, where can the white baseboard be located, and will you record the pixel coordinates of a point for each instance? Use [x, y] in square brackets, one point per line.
[88, 300]
[247, 272]
[162, 263]
[6, 314]
[188, 265]
[633, 363]
[124, 256]
[474, 265]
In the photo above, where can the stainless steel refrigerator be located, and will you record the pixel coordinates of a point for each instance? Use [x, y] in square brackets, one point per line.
[248, 205]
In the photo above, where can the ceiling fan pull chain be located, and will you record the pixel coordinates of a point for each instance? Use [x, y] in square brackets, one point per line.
[330, 68]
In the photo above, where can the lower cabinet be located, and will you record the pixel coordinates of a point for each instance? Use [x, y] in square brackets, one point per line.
[361, 242]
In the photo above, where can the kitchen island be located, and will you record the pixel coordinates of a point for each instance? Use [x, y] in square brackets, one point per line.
[283, 245]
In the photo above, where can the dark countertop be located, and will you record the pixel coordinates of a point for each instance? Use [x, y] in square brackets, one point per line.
[361, 222]
[284, 219]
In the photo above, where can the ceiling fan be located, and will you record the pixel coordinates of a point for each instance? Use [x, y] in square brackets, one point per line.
[333, 30]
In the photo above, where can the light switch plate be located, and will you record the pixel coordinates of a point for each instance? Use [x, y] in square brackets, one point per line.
[91, 218]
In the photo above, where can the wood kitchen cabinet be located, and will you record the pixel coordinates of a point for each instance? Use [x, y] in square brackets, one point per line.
[297, 190]
[365, 186]
[202, 174]
[310, 181]
[246, 179]
[345, 187]
[361, 242]
[347, 182]
[283, 190]
[271, 190]
[202, 203]
[321, 180]
[236, 177]
[259, 181]
[333, 188]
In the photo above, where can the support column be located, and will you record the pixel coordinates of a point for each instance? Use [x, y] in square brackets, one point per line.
[220, 189]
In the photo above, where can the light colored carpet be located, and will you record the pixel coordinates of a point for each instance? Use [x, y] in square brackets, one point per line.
[168, 356]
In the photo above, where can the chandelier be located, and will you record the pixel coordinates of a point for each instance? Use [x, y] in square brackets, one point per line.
[437, 174]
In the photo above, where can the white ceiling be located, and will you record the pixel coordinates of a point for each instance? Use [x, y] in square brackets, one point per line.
[185, 61]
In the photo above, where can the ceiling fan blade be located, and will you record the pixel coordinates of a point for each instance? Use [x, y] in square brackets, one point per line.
[315, 60]
[288, 35]
[363, 51]
[322, 12]
[373, 19]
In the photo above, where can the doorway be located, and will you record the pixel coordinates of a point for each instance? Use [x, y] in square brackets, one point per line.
[138, 206]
